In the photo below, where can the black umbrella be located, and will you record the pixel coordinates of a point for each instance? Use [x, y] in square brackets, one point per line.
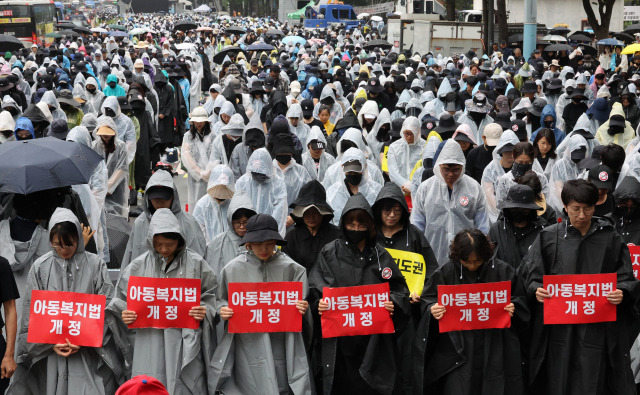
[185, 26]
[274, 32]
[588, 49]
[559, 30]
[45, 163]
[64, 25]
[118, 230]
[219, 57]
[377, 43]
[515, 38]
[9, 43]
[627, 38]
[82, 29]
[260, 47]
[579, 37]
[234, 30]
[68, 32]
[632, 29]
[584, 33]
[558, 47]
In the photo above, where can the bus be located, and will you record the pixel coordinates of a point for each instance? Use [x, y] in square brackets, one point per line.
[28, 21]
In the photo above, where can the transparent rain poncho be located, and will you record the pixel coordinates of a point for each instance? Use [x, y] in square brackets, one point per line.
[211, 214]
[493, 171]
[402, 156]
[317, 170]
[564, 170]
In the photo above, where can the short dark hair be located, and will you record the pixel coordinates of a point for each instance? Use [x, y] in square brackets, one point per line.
[532, 180]
[551, 138]
[173, 236]
[525, 148]
[242, 212]
[613, 156]
[64, 231]
[579, 191]
[468, 241]
[324, 107]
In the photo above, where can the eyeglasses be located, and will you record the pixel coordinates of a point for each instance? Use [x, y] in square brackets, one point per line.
[585, 210]
[451, 170]
[59, 247]
[395, 211]
[240, 224]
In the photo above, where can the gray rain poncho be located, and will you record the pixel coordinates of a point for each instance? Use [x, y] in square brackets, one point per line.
[213, 117]
[92, 370]
[334, 172]
[583, 123]
[241, 152]
[302, 130]
[337, 112]
[267, 196]
[234, 128]
[476, 129]
[493, 171]
[317, 170]
[564, 170]
[195, 158]
[124, 126]
[372, 141]
[370, 108]
[50, 99]
[210, 214]
[117, 199]
[176, 357]
[96, 98]
[436, 107]
[136, 245]
[294, 177]
[402, 156]
[337, 194]
[429, 152]
[226, 108]
[441, 214]
[261, 363]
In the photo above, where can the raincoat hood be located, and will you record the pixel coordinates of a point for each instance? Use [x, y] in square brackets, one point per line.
[81, 135]
[327, 91]
[221, 175]
[260, 162]
[508, 137]
[66, 215]
[431, 147]
[316, 134]
[412, 124]
[6, 121]
[295, 111]
[546, 111]
[392, 191]
[111, 102]
[354, 135]
[369, 107]
[629, 188]
[576, 142]
[24, 124]
[583, 123]
[50, 98]
[451, 153]
[238, 201]
[163, 221]
[445, 87]
[355, 202]
[162, 178]
[228, 109]
[92, 81]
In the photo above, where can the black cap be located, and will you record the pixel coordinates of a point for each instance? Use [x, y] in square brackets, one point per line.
[374, 86]
[269, 83]
[307, 108]
[519, 127]
[520, 196]
[600, 176]
[262, 227]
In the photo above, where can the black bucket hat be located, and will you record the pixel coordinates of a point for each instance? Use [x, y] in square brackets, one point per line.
[312, 194]
[520, 196]
[262, 227]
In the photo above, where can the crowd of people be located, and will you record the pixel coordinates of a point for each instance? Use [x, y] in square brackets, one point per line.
[308, 159]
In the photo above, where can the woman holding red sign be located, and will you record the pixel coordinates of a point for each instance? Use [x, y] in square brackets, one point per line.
[476, 361]
[66, 368]
[177, 356]
[365, 364]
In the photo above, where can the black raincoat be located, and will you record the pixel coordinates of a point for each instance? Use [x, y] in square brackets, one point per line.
[353, 363]
[512, 246]
[483, 361]
[166, 106]
[584, 359]
[146, 147]
[349, 120]
[629, 225]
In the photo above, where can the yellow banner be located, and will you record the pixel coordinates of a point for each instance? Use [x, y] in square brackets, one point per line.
[385, 164]
[413, 268]
[20, 20]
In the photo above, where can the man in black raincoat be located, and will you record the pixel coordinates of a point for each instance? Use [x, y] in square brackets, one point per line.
[146, 148]
[626, 214]
[166, 105]
[581, 359]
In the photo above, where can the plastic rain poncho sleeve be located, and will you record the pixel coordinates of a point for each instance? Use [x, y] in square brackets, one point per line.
[177, 357]
[124, 126]
[92, 370]
[564, 170]
[337, 194]
[402, 156]
[440, 214]
[211, 215]
[195, 158]
[493, 171]
[429, 152]
[294, 177]
[266, 196]
[317, 170]
[374, 144]
[583, 123]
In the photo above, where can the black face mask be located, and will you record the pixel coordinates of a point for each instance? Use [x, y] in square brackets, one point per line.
[283, 159]
[355, 236]
[91, 90]
[112, 85]
[477, 116]
[109, 112]
[625, 212]
[354, 179]
[548, 124]
[520, 216]
[614, 129]
[427, 163]
[518, 170]
[383, 133]
[416, 89]
[259, 177]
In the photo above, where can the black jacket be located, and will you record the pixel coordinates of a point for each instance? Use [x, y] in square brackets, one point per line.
[166, 106]
[512, 247]
[629, 225]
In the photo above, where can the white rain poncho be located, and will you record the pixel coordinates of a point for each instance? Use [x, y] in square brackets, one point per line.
[370, 108]
[7, 123]
[506, 181]
[436, 106]
[177, 357]
[22, 84]
[136, 245]
[226, 108]
[241, 152]
[117, 199]
[337, 112]
[210, 214]
[583, 123]
[337, 194]
[564, 170]
[92, 370]
[195, 158]
[402, 156]
[563, 100]
[50, 99]
[441, 213]
[266, 195]
[124, 126]
[213, 117]
[475, 129]
[372, 141]
[317, 170]
[631, 166]
[335, 173]
[234, 128]
[493, 171]
[302, 130]
[622, 139]
[429, 152]
[294, 176]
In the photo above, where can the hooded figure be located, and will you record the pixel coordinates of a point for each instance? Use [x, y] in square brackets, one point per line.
[302, 129]
[7, 127]
[196, 148]
[177, 357]
[328, 97]
[91, 370]
[486, 361]
[229, 137]
[549, 111]
[582, 125]
[50, 98]
[117, 200]
[424, 170]
[441, 212]
[211, 209]
[379, 135]
[405, 153]
[368, 112]
[317, 167]
[24, 124]
[166, 103]
[113, 90]
[352, 137]
[260, 363]
[566, 169]
[227, 109]
[339, 192]
[617, 130]
[436, 107]
[359, 364]
[494, 171]
[193, 234]
[253, 137]
[626, 218]
[124, 126]
[265, 187]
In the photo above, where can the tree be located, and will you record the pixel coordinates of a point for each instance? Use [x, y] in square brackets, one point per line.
[451, 10]
[501, 16]
[600, 25]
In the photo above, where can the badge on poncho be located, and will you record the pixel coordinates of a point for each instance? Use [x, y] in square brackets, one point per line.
[386, 273]
[464, 200]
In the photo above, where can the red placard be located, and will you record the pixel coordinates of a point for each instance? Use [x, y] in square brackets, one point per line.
[163, 302]
[265, 307]
[474, 306]
[56, 316]
[634, 251]
[579, 298]
[356, 311]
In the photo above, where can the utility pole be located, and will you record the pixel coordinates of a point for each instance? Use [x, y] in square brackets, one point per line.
[530, 27]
